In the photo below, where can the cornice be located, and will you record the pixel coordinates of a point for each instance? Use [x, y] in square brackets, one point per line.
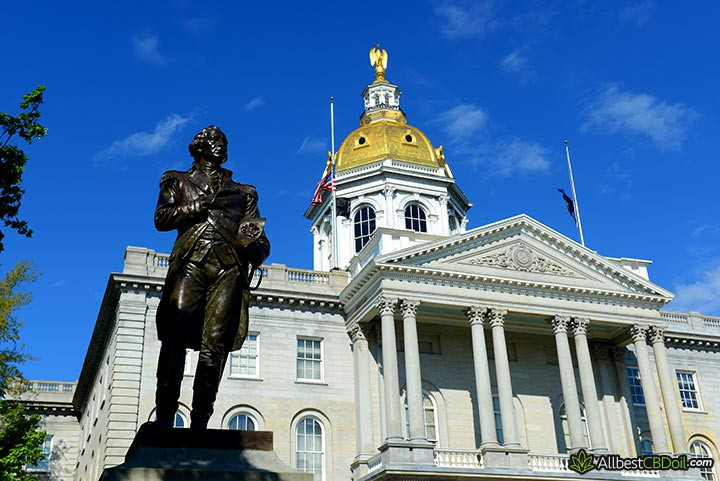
[514, 286]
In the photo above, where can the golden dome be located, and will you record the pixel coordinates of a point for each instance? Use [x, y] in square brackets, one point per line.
[383, 138]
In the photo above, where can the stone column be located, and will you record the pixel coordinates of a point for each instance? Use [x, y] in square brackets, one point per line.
[652, 405]
[389, 191]
[567, 380]
[615, 426]
[393, 426]
[669, 390]
[444, 222]
[363, 410]
[587, 381]
[416, 415]
[502, 372]
[486, 413]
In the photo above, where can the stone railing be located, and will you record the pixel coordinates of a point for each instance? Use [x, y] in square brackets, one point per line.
[50, 387]
[458, 458]
[554, 463]
[147, 262]
[374, 463]
[684, 321]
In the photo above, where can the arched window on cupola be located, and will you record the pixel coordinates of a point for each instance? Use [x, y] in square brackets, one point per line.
[364, 225]
[415, 218]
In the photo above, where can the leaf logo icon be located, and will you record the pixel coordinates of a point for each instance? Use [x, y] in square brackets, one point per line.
[581, 462]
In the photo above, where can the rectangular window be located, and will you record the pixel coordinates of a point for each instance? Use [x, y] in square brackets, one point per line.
[498, 419]
[43, 465]
[689, 395]
[244, 363]
[309, 359]
[633, 377]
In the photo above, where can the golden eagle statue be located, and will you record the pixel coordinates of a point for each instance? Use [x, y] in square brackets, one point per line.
[379, 59]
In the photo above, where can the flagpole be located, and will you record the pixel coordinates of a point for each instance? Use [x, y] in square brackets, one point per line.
[575, 199]
[333, 182]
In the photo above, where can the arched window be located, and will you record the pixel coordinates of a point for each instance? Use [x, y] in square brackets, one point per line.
[310, 447]
[179, 419]
[364, 223]
[415, 218]
[242, 422]
[702, 450]
[428, 415]
[566, 427]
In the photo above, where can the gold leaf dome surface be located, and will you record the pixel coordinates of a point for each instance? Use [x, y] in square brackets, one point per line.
[386, 137]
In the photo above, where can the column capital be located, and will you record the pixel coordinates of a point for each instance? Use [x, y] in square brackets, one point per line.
[656, 335]
[389, 190]
[496, 316]
[443, 199]
[639, 332]
[386, 305]
[357, 333]
[580, 325]
[408, 307]
[476, 314]
[559, 323]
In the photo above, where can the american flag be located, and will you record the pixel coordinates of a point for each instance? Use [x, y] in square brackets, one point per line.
[326, 183]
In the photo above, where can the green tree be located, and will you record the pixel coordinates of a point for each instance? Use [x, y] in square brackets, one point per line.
[20, 438]
[13, 159]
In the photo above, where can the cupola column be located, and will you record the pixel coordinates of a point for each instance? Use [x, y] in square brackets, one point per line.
[486, 413]
[567, 380]
[587, 381]
[389, 192]
[393, 426]
[669, 390]
[502, 371]
[652, 404]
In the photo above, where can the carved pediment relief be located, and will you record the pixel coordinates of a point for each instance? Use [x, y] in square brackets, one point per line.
[521, 257]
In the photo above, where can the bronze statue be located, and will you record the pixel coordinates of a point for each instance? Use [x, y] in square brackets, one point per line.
[204, 304]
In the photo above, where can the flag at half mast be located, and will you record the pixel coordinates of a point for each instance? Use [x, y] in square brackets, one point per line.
[327, 182]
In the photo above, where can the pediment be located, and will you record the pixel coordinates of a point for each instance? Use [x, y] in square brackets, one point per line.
[521, 249]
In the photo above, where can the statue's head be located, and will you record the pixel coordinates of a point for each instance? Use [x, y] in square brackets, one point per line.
[209, 144]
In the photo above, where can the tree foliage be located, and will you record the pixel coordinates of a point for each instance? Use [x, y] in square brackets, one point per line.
[20, 442]
[12, 298]
[12, 159]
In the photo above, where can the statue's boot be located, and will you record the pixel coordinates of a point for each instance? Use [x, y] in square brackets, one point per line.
[171, 367]
[205, 387]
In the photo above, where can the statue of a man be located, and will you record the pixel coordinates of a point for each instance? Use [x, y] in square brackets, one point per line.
[204, 304]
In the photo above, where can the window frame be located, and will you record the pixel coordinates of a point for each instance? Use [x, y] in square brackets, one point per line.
[247, 415]
[695, 391]
[357, 220]
[323, 446]
[704, 446]
[631, 385]
[238, 355]
[321, 380]
[43, 465]
[433, 407]
[421, 219]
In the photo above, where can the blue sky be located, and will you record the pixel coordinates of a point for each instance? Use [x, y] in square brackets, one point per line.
[500, 84]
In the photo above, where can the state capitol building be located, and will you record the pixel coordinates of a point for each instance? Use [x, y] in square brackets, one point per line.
[433, 352]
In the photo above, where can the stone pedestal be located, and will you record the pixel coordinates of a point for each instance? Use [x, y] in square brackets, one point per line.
[504, 457]
[170, 454]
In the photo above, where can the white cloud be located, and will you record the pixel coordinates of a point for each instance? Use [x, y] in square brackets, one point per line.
[253, 104]
[517, 63]
[466, 19]
[146, 48]
[703, 295]
[511, 157]
[144, 143]
[311, 145]
[638, 13]
[462, 121]
[641, 115]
